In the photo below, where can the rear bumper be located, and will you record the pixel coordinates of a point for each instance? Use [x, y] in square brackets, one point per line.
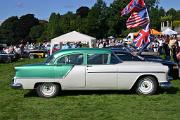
[16, 85]
[165, 84]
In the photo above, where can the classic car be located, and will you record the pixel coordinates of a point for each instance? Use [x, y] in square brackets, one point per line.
[90, 69]
[7, 58]
[126, 55]
[37, 53]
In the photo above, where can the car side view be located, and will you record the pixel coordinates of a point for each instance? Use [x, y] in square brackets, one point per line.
[90, 69]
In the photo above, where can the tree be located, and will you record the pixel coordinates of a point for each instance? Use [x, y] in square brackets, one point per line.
[172, 12]
[54, 28]
[162, 12]
[68, 22]
[82, 11]
[96, 20]
[116, 23]
[177, 17]
[26, 22]
[7, 30]
[36, 32]
[151, 3]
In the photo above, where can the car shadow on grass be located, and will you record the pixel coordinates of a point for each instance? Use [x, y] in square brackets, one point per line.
[172, 90]
[32, 93]
[94, 92]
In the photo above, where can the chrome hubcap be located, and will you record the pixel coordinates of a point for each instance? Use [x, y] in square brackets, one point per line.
[48, 89]
[146, 86]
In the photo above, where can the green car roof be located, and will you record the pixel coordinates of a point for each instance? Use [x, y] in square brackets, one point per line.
[82, 50]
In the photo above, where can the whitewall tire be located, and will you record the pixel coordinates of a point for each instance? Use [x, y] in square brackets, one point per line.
[146, 86]
[47, 90]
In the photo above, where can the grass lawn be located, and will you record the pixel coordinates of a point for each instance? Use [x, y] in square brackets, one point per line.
[84, 105]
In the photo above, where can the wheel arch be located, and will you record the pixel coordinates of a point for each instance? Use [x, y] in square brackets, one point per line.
[38, 83]
[143, 76]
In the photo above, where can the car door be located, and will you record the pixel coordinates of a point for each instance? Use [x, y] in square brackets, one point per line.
[100, 74]
[71, 69]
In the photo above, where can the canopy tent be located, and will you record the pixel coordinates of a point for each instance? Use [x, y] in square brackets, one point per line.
[168, 31]
[72, 37]
[153, 32]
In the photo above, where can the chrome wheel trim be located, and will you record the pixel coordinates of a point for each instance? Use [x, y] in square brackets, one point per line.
[146, 86]
[48, 89]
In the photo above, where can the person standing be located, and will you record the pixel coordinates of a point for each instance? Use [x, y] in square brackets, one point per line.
[167, 49]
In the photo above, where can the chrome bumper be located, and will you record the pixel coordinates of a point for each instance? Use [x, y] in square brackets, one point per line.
[170, 78]
[16, 85]
[165, 84]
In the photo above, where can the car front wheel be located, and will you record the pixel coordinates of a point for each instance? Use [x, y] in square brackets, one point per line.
[147, 86]
[48, 90]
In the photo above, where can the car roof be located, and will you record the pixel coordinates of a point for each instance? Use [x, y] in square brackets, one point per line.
[82, 50]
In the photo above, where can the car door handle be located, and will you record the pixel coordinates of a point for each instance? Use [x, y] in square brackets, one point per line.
[89, 65]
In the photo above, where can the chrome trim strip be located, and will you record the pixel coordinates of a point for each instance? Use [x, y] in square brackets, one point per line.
[37, 78]
[128, 72]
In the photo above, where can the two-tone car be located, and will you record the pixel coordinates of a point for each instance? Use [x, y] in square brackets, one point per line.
[90, 69]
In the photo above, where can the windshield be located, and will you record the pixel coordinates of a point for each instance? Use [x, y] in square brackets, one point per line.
[50, 60]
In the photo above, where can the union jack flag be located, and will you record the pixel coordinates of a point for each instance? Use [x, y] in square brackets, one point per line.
[143, 37]
[138, 19]
[133, 6]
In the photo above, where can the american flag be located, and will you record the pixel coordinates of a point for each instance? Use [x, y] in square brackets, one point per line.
[143, 37]
[133, 6]
[138, 19]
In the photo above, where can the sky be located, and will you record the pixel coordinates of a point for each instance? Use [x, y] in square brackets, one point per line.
[43, 8]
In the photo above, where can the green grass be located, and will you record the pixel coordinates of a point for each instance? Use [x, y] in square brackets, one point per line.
[84, 105]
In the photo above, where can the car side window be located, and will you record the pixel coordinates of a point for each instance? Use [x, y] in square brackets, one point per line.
[75, 59]
[114, 60]
[97, 58]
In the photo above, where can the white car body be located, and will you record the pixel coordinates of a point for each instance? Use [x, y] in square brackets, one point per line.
[120, 76]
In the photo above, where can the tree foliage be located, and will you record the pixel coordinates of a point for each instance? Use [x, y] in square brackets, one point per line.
[82, 11]
[99, 21]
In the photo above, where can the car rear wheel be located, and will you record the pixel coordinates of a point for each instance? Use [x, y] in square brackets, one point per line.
[146, 86]
[31, 56]
[47, 90]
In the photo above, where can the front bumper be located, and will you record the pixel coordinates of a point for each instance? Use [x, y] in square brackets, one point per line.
[16, 85]
[165, 84]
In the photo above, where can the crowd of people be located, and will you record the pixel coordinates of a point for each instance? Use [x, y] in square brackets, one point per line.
[169, 46]
[166, 45]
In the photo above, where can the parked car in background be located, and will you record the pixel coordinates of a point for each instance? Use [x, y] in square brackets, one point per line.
[130, 56]
[90, 69]
[37, 52]
[7, 58]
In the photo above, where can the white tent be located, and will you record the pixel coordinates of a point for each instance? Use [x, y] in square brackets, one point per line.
[72, 37]
[168, 31]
